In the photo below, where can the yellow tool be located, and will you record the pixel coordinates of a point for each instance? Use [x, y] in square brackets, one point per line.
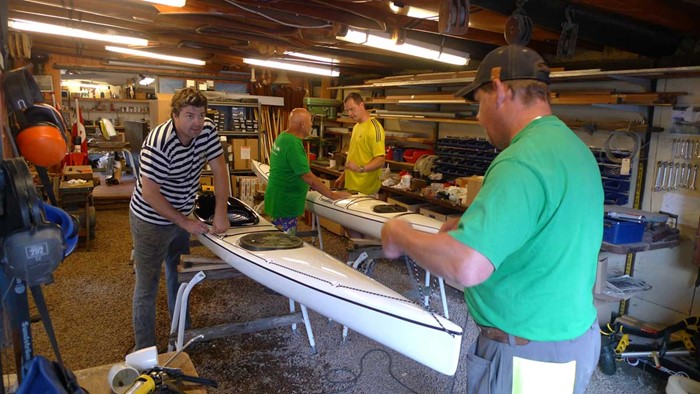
[144, 384]
[622, 345]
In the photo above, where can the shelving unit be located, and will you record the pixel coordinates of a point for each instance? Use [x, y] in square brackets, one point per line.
[411, 100]
[240, 130]
[238, 124]
[117, 111]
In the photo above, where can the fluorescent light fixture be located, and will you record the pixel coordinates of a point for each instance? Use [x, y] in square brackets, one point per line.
[152, 55]
[80, 84]
[151, 66]
[171, 3]
[312, 57]
[302, 68]
[412, 47]
[37, 27]
[413, 12]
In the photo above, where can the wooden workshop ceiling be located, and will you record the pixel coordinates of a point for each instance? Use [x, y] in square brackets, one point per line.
[612, 34]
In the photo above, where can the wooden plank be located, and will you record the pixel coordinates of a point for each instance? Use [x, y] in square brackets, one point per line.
[230, 273]
[228, 329]
[189, 259]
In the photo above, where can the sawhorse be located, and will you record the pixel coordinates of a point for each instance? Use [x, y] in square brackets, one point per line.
[191, 271]
[361, 256]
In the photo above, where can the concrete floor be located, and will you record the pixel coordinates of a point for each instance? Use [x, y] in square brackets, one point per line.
[90, 304]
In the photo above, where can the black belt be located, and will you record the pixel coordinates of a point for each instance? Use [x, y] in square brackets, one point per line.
[499, 335]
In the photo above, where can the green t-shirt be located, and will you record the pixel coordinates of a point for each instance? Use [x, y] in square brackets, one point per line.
[539, 219]
[285, 196]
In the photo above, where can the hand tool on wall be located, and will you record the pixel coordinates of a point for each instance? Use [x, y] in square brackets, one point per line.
[674, 148]
[664, 181]
[693, 177]
[660, 165]
[676, 177]
[682, 182]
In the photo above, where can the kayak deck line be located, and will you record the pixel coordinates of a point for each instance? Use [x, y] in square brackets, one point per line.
[241, 250]
[370, 217]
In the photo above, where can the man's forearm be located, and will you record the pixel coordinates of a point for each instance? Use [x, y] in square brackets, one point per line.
[221, 186]
[375, 163]
[442, 255]
[316, 184]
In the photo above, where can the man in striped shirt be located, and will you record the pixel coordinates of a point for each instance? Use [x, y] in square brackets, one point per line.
[172, 158]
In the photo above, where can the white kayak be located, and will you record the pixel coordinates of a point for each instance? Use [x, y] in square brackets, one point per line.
[334, 289]
[362, 213]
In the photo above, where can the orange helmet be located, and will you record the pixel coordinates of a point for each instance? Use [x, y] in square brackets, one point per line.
[42, 144]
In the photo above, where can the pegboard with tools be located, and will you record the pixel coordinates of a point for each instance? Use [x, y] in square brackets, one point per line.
[680, 172]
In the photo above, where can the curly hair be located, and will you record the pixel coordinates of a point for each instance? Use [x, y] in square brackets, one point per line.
[187, 97]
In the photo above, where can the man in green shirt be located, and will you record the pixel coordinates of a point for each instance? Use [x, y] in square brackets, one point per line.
[290, 175]
[526, 249]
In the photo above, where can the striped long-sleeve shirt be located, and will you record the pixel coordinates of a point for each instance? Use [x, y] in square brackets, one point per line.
[175, 167]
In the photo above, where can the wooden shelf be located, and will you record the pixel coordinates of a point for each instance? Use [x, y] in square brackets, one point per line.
[324, 170]
[228, 133]
[461, 78]
[400, 164]
[556, 98]
[417, 140]
[637, 246]
[94, 100]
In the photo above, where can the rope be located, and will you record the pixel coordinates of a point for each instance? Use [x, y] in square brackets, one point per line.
[608, 147]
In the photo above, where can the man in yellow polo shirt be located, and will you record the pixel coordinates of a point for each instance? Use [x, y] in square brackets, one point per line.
[366, 154]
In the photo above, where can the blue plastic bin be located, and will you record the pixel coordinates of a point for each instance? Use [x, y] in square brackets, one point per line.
[622, 232]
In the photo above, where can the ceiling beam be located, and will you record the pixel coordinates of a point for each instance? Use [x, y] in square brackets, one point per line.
[617, 31]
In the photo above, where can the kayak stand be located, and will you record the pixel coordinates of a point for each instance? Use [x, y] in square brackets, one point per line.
[190, 272]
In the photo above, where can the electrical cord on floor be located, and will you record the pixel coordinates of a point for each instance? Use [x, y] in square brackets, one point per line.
[352, 380]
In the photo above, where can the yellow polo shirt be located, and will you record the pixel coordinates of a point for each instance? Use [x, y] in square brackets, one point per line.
[366, 143]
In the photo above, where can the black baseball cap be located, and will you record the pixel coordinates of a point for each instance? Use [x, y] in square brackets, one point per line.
[506, 63]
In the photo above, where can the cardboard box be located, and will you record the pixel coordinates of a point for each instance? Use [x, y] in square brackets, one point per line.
[77, 172]
[473, 186]
[206, 180]
[439, 213]
[244, 149]
[234, 187]
[331, 226]
[409, 203]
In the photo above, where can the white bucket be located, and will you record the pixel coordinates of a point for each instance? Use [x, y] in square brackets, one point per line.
[681, 385]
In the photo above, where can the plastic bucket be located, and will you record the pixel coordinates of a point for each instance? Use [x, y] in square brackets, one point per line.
[681, 385]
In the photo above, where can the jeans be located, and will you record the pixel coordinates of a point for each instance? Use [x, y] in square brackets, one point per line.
[154, 244]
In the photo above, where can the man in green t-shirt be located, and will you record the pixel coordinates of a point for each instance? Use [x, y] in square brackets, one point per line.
[526, 249]
[290, 175]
